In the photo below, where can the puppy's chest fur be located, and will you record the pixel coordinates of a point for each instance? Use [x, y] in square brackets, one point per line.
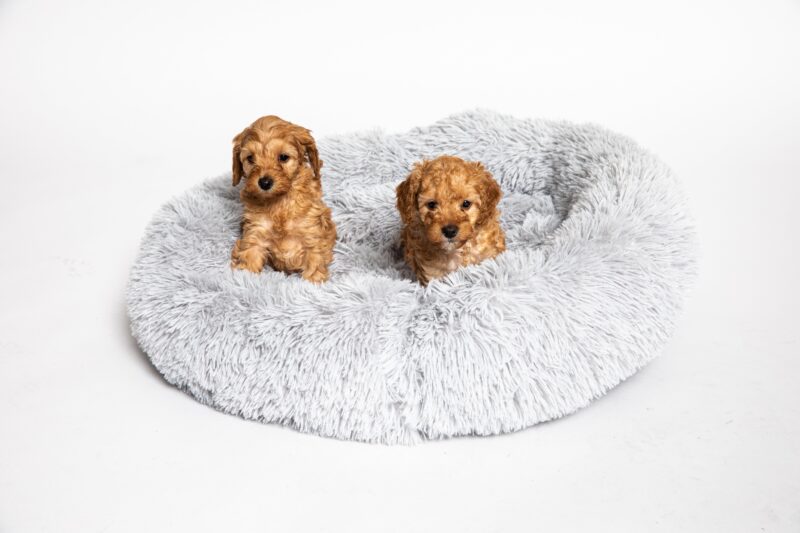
[288, 228]
[441, 263]
[431, 263]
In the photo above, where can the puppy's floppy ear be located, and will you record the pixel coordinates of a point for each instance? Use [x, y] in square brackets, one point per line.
[310, 148]
[490, 194]
[238, 171]
[407, 193]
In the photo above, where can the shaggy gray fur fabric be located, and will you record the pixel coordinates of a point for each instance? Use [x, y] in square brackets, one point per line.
[600, 252]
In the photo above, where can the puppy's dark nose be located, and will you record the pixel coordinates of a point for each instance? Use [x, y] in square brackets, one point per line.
[265, 183]
[450, 231]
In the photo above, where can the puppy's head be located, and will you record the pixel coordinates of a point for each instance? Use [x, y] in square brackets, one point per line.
[270, 155]
[450, 198]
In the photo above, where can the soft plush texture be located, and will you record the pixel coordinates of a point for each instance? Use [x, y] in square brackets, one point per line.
[600, 252]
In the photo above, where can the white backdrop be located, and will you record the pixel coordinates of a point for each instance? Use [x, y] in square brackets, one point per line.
[107, 109]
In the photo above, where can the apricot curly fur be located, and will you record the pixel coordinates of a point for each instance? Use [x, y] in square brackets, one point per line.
[286, 225]
[448, 194]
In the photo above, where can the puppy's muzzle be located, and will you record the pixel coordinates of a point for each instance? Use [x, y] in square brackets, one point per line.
[450, 231]
[266, 183]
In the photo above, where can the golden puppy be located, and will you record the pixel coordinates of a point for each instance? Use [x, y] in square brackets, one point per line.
[450, 216]
[285, 225]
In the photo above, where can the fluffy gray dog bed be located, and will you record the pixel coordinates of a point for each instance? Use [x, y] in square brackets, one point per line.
[600, 250]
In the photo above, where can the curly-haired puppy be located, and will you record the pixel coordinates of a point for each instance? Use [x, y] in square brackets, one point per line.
[285, 225]
[450, 216]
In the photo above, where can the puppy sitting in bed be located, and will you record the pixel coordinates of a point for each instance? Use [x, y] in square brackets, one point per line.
[450, 217]
[285, 225]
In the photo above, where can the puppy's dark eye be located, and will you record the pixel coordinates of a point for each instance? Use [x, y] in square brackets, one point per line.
[283, 158]
[465, 204]
[251, 159]
[431, 205]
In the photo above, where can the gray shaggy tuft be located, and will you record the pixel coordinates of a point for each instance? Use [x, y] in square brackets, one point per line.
[600, 252]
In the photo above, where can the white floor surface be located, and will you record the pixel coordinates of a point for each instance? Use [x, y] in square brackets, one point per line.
[108, 109]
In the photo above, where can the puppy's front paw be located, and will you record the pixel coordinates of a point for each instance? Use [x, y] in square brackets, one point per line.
[251, 266]
[316, 275]
[248, 259]
[235, 254]
[243, 266]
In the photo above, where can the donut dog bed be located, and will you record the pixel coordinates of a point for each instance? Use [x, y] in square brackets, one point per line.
[599, 254]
